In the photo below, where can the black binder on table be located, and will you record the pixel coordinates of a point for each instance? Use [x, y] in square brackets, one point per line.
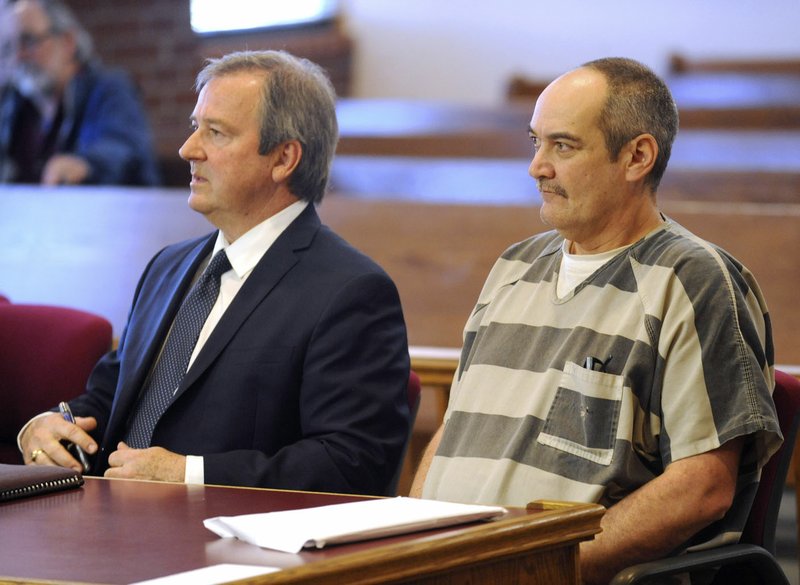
[21, 481]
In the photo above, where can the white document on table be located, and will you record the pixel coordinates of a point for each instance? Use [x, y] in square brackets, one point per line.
[213, 575]
[293, 530]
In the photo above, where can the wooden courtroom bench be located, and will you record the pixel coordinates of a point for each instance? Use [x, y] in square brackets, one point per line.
[506, 181]
[680, 63]
[86, 247]
[433, 129]
[715, 98]
[429, 129]
[392, 127]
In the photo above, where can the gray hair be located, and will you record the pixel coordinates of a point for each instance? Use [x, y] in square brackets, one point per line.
[7, 26]
[298, 103]
[638, 102]
[63, 20]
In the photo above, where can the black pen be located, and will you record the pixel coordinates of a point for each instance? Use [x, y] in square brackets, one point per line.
[596, 364]
[67, 414]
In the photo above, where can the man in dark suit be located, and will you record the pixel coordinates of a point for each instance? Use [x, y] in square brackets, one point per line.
[298, 376]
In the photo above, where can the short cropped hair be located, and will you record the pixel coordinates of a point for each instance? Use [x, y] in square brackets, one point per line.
[638, 102]
[298, 103]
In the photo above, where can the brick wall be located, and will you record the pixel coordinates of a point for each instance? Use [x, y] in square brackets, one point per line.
[154, 42]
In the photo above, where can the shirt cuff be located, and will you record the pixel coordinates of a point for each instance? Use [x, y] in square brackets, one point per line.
[195, 472]
[27, 424]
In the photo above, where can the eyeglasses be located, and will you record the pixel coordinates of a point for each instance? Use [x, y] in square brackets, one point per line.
[29, 41]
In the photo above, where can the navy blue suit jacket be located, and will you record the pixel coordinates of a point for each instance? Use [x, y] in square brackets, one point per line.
[301, 385]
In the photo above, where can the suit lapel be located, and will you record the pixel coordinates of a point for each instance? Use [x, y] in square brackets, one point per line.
[154, 312]
[281, 257]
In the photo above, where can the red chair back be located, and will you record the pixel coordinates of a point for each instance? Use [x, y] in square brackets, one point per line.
[414, 395]
[760, 527]
[47, 355]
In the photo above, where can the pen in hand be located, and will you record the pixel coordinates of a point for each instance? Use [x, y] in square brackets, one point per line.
[67, 414]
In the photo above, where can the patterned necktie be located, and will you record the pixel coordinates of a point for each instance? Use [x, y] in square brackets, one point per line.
[174, 360]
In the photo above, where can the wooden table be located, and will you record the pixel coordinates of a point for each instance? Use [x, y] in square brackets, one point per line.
[120, 531]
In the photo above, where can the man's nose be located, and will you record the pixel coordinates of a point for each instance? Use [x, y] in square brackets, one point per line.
[540, 167]
[190, 150]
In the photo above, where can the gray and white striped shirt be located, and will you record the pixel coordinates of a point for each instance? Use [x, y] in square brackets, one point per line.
[686, 335]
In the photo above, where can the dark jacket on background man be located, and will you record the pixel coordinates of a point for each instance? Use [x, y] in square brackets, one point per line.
[100, 119]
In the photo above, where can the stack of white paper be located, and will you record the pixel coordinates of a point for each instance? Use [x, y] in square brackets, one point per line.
[212, 575]
[292, 530]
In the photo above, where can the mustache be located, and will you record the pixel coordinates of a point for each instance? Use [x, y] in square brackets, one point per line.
[551, 188]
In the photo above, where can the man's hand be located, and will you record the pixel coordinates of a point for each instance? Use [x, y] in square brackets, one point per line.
[65, 169]
[152, 463]
[41, 440]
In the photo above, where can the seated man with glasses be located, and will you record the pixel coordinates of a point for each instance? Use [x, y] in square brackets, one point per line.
[64, 119]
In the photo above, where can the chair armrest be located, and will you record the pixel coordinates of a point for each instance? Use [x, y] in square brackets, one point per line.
[735, 554]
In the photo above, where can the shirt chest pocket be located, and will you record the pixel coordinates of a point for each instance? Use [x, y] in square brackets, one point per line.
[584, 415]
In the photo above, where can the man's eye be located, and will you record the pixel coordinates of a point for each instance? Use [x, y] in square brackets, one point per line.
[562, 147]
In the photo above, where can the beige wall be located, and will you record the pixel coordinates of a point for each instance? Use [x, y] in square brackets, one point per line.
[465, 51]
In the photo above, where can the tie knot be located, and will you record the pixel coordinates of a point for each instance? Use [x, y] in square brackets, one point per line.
[218, 266]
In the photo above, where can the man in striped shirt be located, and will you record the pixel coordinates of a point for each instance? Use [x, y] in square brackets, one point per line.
[619, 358]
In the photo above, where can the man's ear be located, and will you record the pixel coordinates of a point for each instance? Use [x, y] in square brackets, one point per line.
[287, 157]
[642, 151]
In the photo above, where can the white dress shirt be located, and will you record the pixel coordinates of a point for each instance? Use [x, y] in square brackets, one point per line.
[243, 255]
